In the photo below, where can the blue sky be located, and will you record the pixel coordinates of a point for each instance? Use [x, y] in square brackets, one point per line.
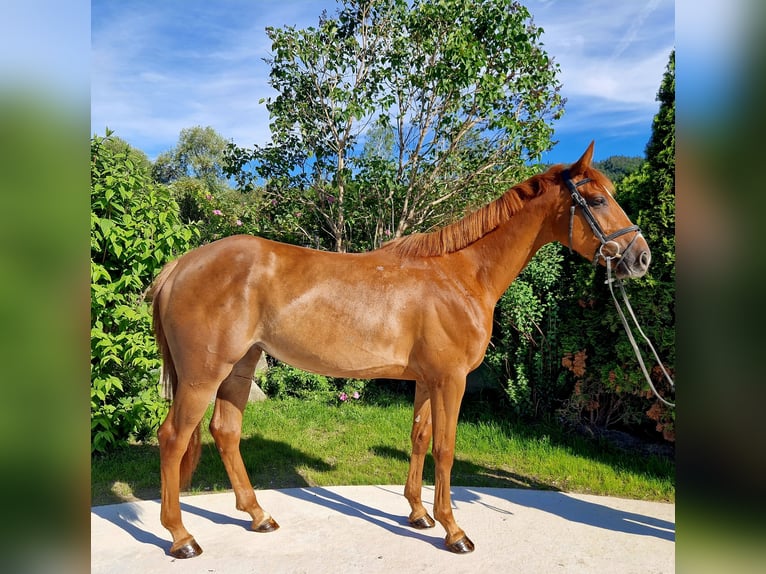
[159, 67]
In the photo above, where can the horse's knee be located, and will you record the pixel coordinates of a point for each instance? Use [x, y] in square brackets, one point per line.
[443, 454]
[421, 437]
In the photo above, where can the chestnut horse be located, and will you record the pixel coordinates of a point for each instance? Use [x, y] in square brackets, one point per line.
[419, 308]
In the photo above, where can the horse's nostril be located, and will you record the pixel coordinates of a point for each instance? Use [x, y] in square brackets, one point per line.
[645, 258]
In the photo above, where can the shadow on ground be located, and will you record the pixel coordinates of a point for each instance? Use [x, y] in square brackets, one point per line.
[593, 512]
[465, 473]
[277, 461]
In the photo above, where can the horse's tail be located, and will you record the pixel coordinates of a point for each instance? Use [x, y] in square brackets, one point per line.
[168, 375]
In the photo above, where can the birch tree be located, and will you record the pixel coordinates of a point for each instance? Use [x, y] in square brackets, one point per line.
[393, 116]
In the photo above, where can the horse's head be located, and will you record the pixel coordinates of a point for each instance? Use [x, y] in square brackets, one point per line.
[598, 228]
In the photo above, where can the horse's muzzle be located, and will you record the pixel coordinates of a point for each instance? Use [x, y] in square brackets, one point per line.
[634, 263]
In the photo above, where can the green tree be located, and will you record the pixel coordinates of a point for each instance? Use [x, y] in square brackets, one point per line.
[608, 386]
[618, 167]
[194, 172]
[136, 156]
[134, 230]
[199, 154]
[393, 115]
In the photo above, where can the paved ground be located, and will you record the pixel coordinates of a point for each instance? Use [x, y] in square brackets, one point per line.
[364, 529]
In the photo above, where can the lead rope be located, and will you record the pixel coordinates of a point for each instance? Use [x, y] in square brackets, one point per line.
[625, 324]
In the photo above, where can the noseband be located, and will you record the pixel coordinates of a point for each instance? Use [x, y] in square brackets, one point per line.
[579, 200]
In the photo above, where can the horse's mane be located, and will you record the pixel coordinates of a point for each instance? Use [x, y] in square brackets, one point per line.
[476, 225]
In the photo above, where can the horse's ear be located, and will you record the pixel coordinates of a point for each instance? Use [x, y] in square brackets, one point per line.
[584, 162]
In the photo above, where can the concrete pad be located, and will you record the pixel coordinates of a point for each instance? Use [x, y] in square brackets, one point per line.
[364, 529]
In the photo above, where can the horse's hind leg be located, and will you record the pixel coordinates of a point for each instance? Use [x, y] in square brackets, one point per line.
[421, 437]
[226, 428]
[183, 419]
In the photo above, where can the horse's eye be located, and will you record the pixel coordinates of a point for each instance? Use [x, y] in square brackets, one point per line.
[597, 201]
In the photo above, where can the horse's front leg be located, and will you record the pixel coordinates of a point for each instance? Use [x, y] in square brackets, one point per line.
[446, 396]
[421, 438]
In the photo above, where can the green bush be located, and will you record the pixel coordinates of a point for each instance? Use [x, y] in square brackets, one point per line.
[559, 313]
[216, 212]
[134, 231]
[523, 355]
[282, 380]
[607, 385]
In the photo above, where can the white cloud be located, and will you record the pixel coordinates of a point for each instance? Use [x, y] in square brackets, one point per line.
[151, 80]
[160, 67]
[612, 57]
[630, 81]
[634, 28]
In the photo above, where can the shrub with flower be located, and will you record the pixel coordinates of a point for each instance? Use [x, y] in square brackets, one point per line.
[226, 212]
[344, 396]
[350, 393]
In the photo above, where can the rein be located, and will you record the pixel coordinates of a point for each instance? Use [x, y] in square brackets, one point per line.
[579, 200]
[632, 340]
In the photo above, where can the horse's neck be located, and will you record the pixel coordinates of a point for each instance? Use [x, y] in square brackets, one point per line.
[502, 254]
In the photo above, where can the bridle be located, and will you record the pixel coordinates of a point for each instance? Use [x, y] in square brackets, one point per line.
[579, 201]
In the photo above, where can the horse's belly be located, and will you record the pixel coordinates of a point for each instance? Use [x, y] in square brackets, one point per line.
[338, 355]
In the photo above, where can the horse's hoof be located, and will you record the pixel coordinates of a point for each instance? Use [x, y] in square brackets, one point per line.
[423, 522]
[187, 550]
[462, 546]
[269, 525]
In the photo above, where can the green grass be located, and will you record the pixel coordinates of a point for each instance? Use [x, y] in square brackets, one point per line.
[294, 443]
